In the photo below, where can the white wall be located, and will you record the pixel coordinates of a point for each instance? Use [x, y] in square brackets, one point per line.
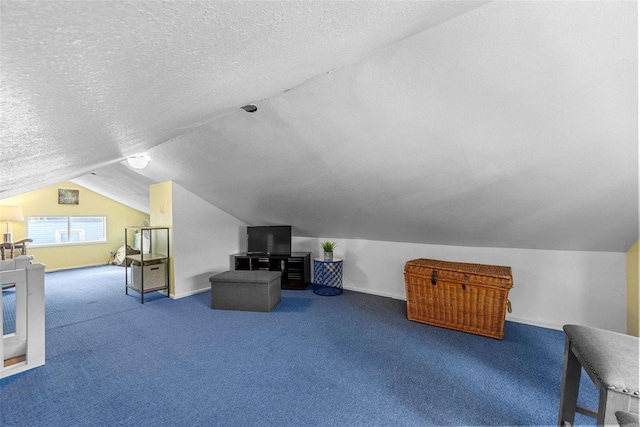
[204, 238]
[551, 288]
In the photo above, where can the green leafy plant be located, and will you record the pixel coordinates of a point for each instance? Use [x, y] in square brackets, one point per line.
[328, 246]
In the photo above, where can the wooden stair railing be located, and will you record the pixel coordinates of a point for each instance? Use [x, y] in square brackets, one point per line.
[11, 247]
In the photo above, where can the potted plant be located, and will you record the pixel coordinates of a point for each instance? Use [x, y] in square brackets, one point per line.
[328, 248]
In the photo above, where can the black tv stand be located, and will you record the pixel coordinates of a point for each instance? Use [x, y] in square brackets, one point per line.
[295, 268]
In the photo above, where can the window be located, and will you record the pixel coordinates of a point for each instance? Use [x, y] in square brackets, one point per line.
[62, 230]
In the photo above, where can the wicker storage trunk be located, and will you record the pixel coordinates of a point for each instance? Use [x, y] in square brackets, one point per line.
[465, 297]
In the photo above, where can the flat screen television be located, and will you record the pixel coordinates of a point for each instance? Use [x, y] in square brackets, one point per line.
[269, 240]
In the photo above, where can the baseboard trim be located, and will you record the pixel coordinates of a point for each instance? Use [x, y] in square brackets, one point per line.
[349, 288]
[404, 298]
[377, 293]
[74, 268]
[534, 323]
[190, 293]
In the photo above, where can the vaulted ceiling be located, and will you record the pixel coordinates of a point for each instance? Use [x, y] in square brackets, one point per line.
[503, 124]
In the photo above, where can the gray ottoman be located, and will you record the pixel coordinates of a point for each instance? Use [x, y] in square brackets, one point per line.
[245, 290]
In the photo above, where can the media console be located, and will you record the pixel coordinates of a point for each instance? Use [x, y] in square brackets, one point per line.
[295, 268]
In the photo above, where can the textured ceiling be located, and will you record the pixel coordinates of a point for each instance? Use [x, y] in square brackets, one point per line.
[505, 124]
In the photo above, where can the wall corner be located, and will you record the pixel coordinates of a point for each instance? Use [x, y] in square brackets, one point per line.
[633, 286]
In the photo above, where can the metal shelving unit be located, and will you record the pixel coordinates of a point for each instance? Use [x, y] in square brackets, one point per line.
[149, 272]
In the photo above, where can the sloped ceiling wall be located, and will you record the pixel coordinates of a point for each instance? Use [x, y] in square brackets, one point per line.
[506, 124]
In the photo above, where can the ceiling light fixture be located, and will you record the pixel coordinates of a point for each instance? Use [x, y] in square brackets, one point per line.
[138, 161]
[251, 108]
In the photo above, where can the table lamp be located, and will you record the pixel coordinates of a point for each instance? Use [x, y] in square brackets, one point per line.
[10, 213]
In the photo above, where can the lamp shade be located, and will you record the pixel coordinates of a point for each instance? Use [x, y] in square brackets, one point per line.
[11, 213]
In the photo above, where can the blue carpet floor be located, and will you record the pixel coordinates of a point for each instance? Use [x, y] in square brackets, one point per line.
[348, 360]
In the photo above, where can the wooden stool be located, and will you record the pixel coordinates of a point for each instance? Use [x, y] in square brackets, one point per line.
[611, 360]
[627, 419]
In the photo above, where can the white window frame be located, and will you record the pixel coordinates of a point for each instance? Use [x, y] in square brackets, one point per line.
[69, 231]
[60, 232]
